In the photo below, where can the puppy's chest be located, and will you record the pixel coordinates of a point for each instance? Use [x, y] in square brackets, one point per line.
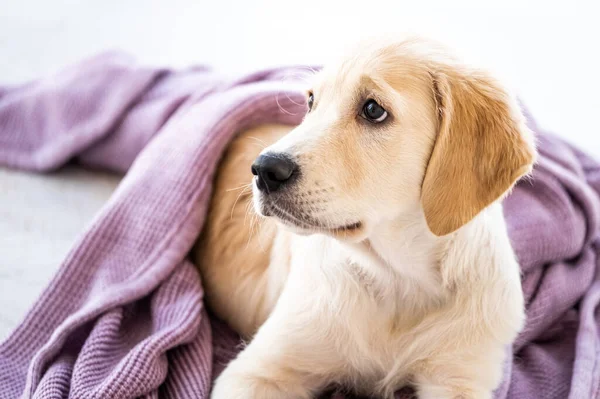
[374, 332]
[328, 271]
[365, 314]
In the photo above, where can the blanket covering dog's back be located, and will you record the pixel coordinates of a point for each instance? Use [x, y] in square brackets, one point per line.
[124, 317]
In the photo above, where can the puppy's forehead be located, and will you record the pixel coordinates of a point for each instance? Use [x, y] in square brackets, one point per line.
[393, 66]
[349, 71]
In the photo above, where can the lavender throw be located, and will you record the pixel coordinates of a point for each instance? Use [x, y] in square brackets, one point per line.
[124, 316]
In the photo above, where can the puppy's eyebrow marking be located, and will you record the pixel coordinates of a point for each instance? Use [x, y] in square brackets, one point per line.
[366, 80]
[372, 89]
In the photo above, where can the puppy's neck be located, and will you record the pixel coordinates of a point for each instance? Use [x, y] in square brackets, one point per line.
[406, 250]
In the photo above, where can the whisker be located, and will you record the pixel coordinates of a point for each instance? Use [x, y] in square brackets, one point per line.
[286, 215]
[294, 102]
[283, 109]
[244, 190]
[301, 73]
[259, 141]
[239, 188]
[247, 211]
[251, 230]
[261, 242]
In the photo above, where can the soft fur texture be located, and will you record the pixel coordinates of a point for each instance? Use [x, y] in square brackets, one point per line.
[426, 290]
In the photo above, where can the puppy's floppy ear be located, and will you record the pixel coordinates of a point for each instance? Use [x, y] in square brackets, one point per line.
[483, 147]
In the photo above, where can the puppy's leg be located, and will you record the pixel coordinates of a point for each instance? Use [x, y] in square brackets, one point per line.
[429, 390]
[289, 358]
[451, 377]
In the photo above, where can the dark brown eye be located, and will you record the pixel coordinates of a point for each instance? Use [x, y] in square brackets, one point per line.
[311, 100]
[373, 112]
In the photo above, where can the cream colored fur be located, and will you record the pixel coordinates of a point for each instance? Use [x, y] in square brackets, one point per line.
[426, 291]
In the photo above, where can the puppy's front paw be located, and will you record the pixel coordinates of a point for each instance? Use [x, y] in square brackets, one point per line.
[232, 385]
[429, 391]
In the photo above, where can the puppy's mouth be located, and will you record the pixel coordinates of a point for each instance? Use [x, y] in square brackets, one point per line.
[307, 225]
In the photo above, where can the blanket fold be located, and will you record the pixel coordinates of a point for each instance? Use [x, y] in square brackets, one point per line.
[124, 316]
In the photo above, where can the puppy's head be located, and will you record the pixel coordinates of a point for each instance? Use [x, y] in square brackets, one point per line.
[395, 128]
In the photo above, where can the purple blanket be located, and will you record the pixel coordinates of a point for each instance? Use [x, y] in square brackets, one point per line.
[124, 317]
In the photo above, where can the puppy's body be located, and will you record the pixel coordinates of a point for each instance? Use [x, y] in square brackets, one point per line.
[235, 251]
[384, 301]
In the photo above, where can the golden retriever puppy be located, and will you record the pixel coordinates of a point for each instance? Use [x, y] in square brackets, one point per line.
[380, 257]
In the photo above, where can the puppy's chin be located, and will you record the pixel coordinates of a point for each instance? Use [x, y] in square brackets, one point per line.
[355, 232]
[351, 233]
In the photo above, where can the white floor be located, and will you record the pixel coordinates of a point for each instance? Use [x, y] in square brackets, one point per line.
[549, 50]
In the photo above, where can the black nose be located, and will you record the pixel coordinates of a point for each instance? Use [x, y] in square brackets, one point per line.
[273, 171]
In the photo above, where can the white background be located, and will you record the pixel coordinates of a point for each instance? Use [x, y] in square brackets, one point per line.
[548, 50]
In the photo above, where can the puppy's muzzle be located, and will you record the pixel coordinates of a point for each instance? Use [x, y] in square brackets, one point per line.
[274, 171]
